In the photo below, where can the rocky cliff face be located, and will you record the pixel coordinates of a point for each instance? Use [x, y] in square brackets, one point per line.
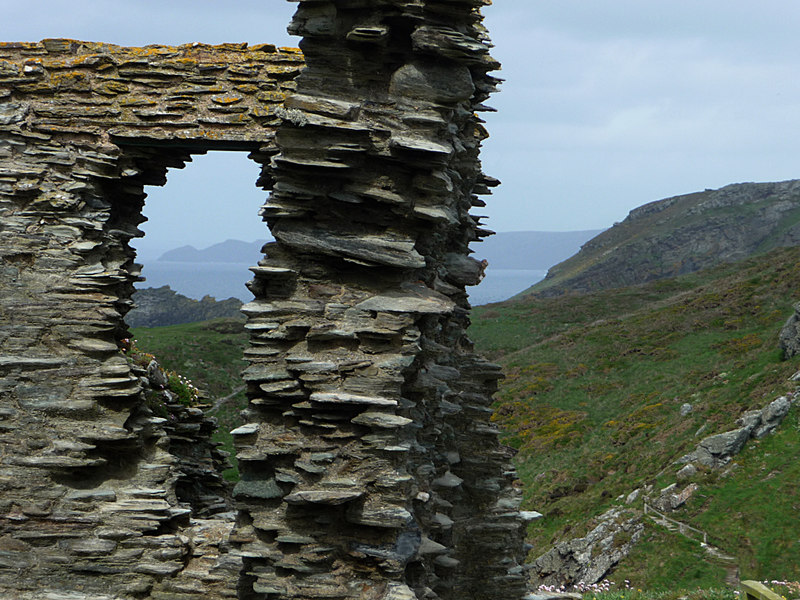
[370, 468]
[156, 307]
[682, 234]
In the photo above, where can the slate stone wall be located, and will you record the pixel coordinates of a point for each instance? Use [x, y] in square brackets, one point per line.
[370, 468]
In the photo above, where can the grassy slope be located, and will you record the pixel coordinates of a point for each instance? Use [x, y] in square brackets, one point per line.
[209, 353]
[592, 396]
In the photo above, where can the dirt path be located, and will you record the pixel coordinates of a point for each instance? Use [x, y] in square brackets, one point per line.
[220, 401]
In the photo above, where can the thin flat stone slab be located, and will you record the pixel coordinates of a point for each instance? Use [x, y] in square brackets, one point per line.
[329, 497]
[94, 345]
[530, 515]
[345, 398]
[265, 489]
[447, 561]
[265, 372]
[99, 494]
[392, 249]
[325, 106]
[414, 298]
[58, 462]
[143, 507]
[419, 144]
[158, 568]
[30, 362]
[448, 480]
[376, 419]
[263, 271]
[399, 591]
[392, 517]
[248, 429]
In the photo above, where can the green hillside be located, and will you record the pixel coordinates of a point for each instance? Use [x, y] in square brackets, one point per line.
[592, 397]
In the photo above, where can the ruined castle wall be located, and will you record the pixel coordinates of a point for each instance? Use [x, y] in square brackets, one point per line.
[92, 481]
[370, 468]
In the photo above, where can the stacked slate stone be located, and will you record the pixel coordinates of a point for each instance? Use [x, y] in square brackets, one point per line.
[100, 497]
[370, 468]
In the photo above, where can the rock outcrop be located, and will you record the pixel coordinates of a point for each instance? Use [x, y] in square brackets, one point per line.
[790, 334]
[156, 307]
[681, 235]
[370, 468]
[589, 559]
[717, 450]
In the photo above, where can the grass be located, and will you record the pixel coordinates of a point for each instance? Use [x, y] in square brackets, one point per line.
[674, 594]
[592, 397]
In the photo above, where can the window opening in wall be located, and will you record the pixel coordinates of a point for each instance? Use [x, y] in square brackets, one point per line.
[202, 234]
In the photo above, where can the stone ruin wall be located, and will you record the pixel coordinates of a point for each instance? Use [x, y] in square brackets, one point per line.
[370, 468]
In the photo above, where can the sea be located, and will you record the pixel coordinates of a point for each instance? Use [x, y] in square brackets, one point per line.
[227, 280]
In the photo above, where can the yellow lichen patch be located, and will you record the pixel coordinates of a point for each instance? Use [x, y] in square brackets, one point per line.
[35, 88]
[88, 60]
[282, 69]
[72, 81]
[112, 88]
[268, 111]
[153, 50]
[226, 100]
[481, 133]
[20, 46]
[193, 90]
[181, 64]
[270, 97]
[264, 48]
[246, 88]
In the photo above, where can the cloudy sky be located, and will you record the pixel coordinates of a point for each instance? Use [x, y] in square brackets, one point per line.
[607, 104]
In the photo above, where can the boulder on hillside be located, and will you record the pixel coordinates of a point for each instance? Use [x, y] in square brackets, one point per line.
[716, 450]
[790, 334]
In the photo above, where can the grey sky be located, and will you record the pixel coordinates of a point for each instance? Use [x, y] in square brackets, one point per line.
[608, 104]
